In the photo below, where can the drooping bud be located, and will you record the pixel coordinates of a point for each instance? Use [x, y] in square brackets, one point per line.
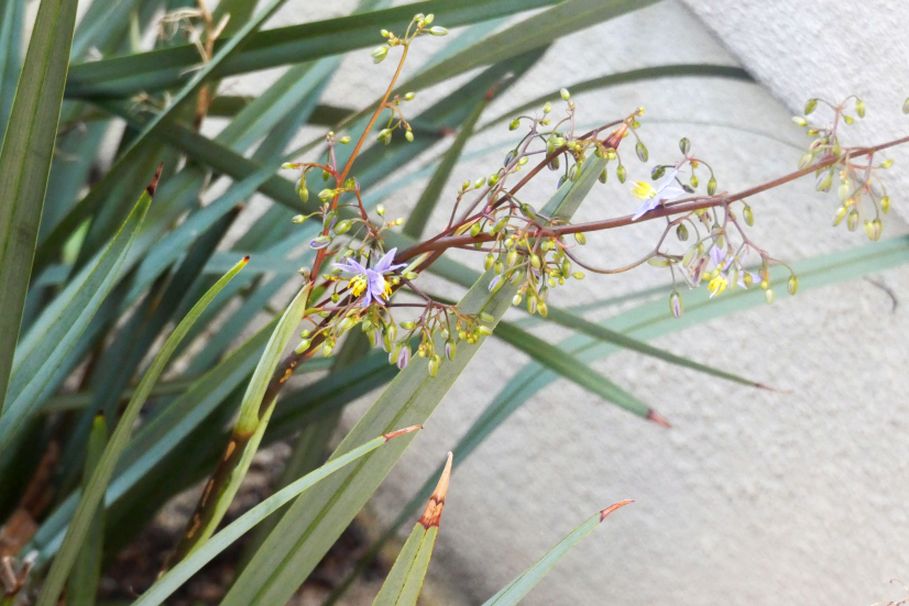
[675, 304]
[793, 284]
[885, 204]
[810, 106]
[563, 92]
[438, 30]
[621, 173]
[748, 214]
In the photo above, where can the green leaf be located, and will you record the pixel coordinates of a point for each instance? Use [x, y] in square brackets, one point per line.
[93, 495]
[179, 574]
[11, 24]
[26, 154]
[163, 434]
[515, 591]
[314, 521]
[541, 29]
[682, 70]
[255, 411]
[83, 583]
[404, 582]
[46, 346]
[156, 70]
[566, 365]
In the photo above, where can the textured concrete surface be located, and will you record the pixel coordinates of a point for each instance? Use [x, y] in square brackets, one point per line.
[753, 497]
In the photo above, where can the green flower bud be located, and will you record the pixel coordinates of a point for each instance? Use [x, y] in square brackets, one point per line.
[711, 186]
[563, 92]
[547, 107]
[800, 121]
[769, 296]
[344, 140]
[379, 54]
[885, 204]
[860, 108]
[793, 285]
[748, 214]
[681, 232]
[621, 173]
[438, 31]
[408, 134]
[852, 220]
[848, 119]
[641, 151]
[603, 176]
[826, 182]
[514, 124]
[840, 215]
[326, 194]
[887, 163]
[343, 226]
[684, 146]
[693, 181]
[810, 106]
[580, 238]
[535, 261]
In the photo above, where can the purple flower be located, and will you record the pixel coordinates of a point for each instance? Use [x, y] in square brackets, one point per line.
[370, 282]
[666, 189]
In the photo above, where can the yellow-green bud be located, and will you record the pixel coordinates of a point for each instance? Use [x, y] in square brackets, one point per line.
[379, 53]
[547, 107]
[564, 94]
[748, 214]
[408, 134]
[438, 31]
[840, 215]
[793, 285]
[887, 163]
[769, 296]
[580, 238]
[621, 173]
[852, 220]
[343, 226]
[810, 106]
[860, 108]
[885, 204]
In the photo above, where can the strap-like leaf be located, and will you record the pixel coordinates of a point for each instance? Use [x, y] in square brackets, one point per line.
[93, 495]
[26, 154]
[515, 591]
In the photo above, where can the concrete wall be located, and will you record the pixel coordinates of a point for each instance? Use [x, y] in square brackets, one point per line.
[753, 497]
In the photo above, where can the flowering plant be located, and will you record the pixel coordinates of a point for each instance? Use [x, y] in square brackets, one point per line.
[107, 297]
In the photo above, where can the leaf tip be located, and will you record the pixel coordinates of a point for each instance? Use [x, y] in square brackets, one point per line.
[153, 186]
[659, 419]
[432, 515]
[608, 510]
[403, 431]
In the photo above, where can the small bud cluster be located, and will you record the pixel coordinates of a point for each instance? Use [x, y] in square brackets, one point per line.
[420, 25]
[862, 196]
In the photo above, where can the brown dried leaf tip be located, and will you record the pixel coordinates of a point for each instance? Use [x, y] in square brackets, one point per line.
[608, 510]
[153, 186]
[400, 432]
[659, 419]
[432, 515]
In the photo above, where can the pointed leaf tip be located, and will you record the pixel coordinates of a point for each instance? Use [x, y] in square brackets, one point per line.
[153, 186]
[659, 419]
[608, 510]
[400, 432]
[432, 515]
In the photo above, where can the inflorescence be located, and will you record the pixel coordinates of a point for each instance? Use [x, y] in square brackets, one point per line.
[704, 239]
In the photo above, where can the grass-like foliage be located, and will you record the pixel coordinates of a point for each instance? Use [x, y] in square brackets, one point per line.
[150, 343]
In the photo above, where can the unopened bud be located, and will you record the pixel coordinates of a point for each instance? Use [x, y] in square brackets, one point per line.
[769, 296]
[438, 31]
[852, 220]
[675, 304]
[564, 94]
[793, 285]
[810, 106]
[885, 204]
[379, 53]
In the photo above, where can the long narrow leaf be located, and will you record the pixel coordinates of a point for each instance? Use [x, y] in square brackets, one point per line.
[44, 349]
[26, 154]
[515, 591]
[180, 573]
[404, 581]
[93, 495]
[126, 76]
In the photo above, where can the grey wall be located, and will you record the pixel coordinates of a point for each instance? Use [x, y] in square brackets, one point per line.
[753, 497]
